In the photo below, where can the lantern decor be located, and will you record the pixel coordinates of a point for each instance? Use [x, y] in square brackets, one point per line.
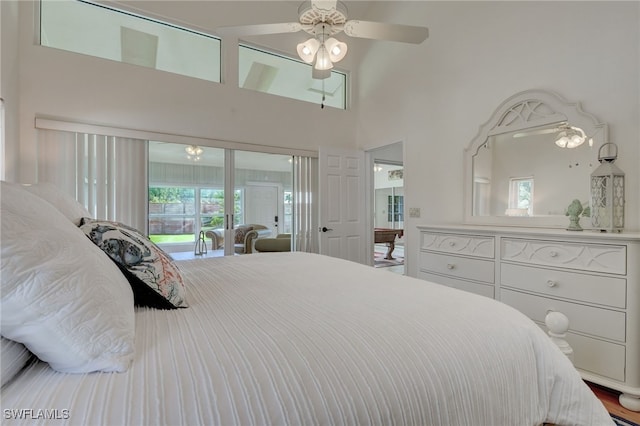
[607, 192]
[201, 245]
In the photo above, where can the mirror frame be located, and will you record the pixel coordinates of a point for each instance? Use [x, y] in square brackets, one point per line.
[526, 110]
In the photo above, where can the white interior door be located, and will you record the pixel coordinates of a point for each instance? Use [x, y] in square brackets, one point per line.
[261, 205]
[342, 204]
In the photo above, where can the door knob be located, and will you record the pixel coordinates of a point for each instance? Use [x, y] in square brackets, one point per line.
[325, 229]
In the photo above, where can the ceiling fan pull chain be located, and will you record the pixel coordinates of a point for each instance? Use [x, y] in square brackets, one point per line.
[322, 103]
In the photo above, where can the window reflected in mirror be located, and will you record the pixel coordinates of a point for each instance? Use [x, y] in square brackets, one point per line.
[505, 167]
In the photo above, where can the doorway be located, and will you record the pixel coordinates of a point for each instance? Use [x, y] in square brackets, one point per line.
[387, 201]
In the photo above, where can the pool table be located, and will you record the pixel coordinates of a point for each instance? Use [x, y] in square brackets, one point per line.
[388, 236]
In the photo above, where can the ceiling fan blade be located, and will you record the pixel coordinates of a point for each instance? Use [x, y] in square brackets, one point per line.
[260, 29]
[380, 31]
[325, 5]
[536, 132]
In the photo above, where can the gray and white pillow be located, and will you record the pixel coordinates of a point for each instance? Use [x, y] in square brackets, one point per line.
[154, 277]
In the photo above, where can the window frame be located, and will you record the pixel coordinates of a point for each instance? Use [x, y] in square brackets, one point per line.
[343, 73]
[514, 193]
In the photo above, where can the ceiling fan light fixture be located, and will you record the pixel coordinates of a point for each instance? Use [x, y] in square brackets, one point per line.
[307, 50]
[323, 19]
[562, 141]
[573, 137]
[323, 62]
[575, 141]
[337, 49]
[194, 152]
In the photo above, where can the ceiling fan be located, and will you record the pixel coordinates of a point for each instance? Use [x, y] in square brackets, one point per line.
[323, 19]
[567, 136]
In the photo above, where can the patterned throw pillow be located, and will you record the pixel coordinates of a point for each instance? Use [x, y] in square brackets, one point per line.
[154, 277]
[240, 232]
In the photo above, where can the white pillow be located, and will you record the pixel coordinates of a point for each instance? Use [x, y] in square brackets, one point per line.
[13, 358]
[61, 296]
[68, 206]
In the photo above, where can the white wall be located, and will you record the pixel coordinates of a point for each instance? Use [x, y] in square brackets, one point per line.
[92, 90]
[433, 97]
[477, 55]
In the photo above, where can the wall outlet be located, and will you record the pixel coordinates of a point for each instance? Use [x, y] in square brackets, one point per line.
[414, 211]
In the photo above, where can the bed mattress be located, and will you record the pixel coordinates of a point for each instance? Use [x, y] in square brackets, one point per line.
[301, 339]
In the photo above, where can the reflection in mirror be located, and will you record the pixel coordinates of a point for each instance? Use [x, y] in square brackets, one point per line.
[530, 160]
[529, 175]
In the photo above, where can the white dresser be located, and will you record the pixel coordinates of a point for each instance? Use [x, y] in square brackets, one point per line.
[592, 278]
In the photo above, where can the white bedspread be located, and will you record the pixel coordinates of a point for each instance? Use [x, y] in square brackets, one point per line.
[300, 339]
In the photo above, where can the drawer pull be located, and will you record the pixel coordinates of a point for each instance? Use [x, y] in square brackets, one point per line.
[452, 243]
[553, 254]
[551, 283]
[450, 265]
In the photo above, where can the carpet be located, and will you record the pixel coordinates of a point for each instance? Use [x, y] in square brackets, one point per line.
[619, 421]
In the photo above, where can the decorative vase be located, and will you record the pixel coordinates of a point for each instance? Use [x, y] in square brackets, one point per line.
[573, 211]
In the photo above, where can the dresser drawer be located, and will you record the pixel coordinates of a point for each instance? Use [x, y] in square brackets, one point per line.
[459, 267]
[486, 290]
[601, 290]
[604, 323]
[471, 245]
[586, 257]
[596, 356]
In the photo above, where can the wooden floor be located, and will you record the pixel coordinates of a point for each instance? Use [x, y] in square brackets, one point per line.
[610, 400]
[188, 255]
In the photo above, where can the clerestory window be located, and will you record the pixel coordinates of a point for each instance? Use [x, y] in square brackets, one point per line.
[104, 32]
[279, 75]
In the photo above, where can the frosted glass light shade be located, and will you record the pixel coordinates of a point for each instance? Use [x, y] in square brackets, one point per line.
[307, 50]
[322, 59]
[337, 49]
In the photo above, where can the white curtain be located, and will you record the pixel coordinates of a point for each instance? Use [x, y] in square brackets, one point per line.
[305, 196]
[107, 174]
[3, 167]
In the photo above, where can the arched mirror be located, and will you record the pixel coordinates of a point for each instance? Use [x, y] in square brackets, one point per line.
[530, 160]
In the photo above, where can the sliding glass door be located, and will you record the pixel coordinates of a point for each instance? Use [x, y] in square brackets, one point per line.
[174, 190]
[195, 189]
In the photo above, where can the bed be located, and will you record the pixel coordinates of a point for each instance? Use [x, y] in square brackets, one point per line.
[266, 339]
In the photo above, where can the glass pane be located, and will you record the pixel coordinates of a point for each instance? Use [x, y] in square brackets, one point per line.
[278, 75]
[211, 208]
[520, 197]
[108, 33]
[261, 183]
[172, 215]
[186, 193]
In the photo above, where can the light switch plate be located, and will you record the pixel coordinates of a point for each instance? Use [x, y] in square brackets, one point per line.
[414, 211]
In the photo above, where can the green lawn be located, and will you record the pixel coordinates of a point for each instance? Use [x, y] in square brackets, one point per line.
[163, 239]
